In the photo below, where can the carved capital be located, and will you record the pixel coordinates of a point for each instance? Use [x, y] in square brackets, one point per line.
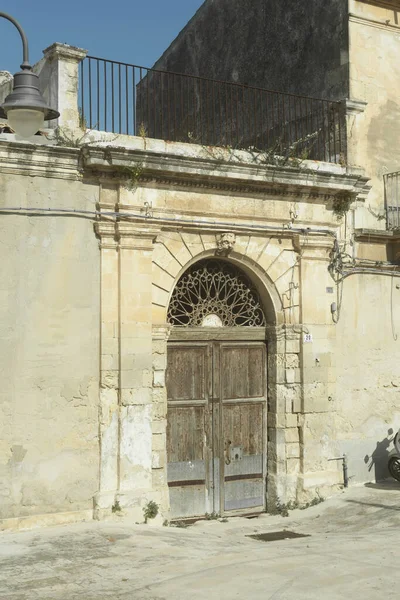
[136, 238]
[161, 332]
[225, 243]
[107, 234]
[313, 248]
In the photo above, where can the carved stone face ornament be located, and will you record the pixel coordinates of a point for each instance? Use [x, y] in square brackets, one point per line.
[225, 243]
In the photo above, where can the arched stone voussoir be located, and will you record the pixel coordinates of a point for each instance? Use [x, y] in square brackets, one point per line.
[177, 252]
[266, 288]
[175, 245]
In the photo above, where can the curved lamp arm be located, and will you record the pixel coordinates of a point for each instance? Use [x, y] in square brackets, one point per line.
[25, 108]
[26, 66]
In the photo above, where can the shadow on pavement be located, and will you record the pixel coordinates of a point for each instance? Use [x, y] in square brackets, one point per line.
[389, 484]
[375, 504]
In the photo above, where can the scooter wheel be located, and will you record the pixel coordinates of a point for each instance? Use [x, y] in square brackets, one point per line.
[394, 467]
[396, 443]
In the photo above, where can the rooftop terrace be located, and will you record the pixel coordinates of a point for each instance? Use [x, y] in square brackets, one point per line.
[129, 99]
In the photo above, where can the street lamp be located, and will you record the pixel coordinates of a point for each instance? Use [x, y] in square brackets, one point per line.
[25, 108]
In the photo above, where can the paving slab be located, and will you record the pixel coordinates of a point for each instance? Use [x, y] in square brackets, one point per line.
[350, 551]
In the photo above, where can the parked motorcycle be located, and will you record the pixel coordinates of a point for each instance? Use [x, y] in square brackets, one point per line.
[394, 458]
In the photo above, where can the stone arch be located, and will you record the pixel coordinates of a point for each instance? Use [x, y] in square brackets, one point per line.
[270, 263]
[272, 266]
[266, 290]
[215, 290]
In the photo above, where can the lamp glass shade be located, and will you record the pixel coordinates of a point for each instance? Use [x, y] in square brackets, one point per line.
[25, 122]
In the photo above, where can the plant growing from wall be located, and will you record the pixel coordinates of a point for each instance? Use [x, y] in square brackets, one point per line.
[277, 155]
[378, 216]
[133, 174]
[64, 137]
[341, 205]
[150, 511]
[82, 119]
[283, 509]
[212, 516]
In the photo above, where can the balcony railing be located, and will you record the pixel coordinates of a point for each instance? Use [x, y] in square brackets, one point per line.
[392, 200]
[133, 100]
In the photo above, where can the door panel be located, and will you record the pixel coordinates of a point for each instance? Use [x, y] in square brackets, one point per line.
[243, 460]
[188, 428]
[243, 395]
[187, 372]
[242, 372]
[215, 430]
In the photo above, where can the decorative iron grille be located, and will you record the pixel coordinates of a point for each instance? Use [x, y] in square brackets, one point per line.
[215, 293]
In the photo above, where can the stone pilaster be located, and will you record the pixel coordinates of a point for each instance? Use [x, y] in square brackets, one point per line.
[159, 416]
[58, 77]
[284, 404]
[109, 408]
[318, 370]
[136, 364]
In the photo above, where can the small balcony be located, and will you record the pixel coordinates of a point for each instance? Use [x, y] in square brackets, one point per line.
[392, 200]
[132, 100]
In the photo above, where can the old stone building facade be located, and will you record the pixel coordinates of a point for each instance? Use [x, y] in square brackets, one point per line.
[193, 325]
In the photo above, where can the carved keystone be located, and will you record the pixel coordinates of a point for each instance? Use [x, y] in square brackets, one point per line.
[225, 244]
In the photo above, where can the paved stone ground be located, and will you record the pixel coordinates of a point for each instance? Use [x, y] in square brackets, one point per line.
[352, 552]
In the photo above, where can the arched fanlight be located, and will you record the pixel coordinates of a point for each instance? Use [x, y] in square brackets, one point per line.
[214, 293]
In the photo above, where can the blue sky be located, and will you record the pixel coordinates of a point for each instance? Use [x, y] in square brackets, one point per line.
[134, 31]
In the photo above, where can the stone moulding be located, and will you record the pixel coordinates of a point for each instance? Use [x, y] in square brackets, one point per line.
[383, 25]
[355, 107]
[393, 4]
[65, 51]
[376, 235]
[37, 160]
[314, 179]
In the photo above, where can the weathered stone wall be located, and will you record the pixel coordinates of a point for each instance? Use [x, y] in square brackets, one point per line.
[84, 401]
[335, 50]
[367, 400]
[375, 80]
[76, 428]
[297, 287]
[49, 327]
[285, 46]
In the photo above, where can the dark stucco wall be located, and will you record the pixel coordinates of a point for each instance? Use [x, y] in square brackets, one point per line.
[297, 46]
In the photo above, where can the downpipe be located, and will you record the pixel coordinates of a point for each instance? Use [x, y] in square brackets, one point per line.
[345, 469]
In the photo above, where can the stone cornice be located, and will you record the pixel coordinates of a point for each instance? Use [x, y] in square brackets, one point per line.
[153, 225]
[355, 107]
[383, 25]
[70, 53]
[390, 4]
[376, 236]
[39, 160]
[312, 179]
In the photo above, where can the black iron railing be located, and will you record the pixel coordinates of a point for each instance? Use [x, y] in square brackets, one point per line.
[133, 100]
[392, 199]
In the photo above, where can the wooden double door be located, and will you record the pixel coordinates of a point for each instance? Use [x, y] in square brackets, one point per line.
[216, 427]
